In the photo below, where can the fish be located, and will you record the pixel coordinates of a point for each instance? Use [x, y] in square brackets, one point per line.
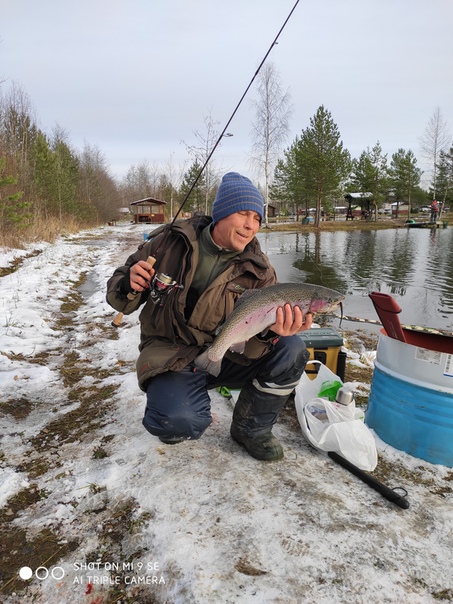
[256, 311]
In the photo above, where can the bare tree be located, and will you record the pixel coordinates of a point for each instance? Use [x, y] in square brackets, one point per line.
[271, 126]
[175, 177]
[435, 138]
[18, 126]
[201, 151]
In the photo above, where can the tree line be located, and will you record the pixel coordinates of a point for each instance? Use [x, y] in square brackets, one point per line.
[45, 182]
[43, 179]
[317, 171]
[48, 187]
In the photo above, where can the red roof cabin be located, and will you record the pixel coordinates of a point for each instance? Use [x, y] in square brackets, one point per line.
[148, 210]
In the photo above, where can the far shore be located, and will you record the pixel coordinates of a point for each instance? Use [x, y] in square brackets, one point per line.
[351, 225]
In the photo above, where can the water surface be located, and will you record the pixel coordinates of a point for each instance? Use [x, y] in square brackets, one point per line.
[414, 266]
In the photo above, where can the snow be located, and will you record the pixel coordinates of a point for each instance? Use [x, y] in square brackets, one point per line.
[208, 523]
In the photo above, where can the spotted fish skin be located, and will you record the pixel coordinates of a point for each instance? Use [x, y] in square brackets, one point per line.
[256, 310]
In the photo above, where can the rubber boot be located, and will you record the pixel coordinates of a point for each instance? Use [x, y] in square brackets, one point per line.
[254, 415]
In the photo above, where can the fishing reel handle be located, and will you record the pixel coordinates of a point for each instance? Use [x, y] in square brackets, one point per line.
[131, 296]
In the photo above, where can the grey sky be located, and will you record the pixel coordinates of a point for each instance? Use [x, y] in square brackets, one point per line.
[137, 77]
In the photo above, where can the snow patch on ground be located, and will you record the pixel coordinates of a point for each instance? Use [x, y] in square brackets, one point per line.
[209, 521]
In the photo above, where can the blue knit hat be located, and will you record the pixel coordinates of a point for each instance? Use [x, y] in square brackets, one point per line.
[236, 193]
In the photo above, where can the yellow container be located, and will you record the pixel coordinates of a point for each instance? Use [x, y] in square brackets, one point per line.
[325, 345]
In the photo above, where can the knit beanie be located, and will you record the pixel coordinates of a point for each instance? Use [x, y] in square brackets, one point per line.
[236, 193]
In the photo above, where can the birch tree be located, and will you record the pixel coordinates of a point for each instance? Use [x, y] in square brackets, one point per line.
[435, 138]
[201, 151]
[271, 126]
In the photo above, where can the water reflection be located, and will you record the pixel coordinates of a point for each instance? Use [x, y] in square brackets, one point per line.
[415, 266]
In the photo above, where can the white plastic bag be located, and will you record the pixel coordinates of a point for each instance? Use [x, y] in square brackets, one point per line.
[332, 427]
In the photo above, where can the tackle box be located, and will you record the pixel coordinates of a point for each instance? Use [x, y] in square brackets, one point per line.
[324, 344]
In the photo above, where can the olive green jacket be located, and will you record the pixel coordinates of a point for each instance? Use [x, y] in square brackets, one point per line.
[168, 340]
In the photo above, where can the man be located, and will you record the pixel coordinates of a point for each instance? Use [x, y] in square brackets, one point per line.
[210, 263]
[434, 211]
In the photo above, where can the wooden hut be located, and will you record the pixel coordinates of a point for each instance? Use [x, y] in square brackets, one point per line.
[356, 201]
[148, 210]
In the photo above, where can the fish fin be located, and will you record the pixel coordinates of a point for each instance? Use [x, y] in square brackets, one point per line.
[239, 347]
[245, 296]
[204, 362]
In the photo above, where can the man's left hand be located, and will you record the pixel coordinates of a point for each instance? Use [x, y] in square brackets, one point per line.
[290, 322]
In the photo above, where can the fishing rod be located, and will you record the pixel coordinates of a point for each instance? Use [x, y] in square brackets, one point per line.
[161, 283]
[202, 169]
[420, 328]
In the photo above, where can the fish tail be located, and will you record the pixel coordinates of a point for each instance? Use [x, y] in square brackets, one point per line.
[204, 362]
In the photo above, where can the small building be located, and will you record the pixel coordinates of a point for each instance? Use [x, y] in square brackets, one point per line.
[356, 200]
[148, 210]
[271, 211]
[399, 208]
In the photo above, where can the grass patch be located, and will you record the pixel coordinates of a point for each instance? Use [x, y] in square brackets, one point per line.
[21, 501]
[39, 359]
[37, 466]
[74, 370]
[74, 426]
[99, 453]
[445, 594]
[73, 301]
[115, 530]
[17, 550]
[18, 408]
[17, 262]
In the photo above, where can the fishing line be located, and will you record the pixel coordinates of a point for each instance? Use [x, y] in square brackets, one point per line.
[233, 114]
[161, 276]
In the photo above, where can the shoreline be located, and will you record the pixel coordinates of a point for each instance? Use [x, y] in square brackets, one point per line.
[345, 225]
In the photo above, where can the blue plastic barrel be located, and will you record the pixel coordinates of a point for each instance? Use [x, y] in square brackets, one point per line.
[410, 405]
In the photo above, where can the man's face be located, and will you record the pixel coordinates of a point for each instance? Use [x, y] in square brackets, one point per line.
[236, 230]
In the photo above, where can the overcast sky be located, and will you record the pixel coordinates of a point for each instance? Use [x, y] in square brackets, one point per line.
[137, 77]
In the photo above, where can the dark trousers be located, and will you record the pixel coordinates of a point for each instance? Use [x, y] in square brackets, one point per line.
[178, 403]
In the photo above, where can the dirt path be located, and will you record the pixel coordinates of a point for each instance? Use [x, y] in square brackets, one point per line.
[118, 517]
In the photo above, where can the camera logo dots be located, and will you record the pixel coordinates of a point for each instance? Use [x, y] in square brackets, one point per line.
[41, 573]
[25, 573]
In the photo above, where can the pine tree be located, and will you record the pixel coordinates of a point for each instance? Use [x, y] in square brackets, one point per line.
[195, 201]
[315, 165]
[404, 176]
[13, 212]
[370, 174]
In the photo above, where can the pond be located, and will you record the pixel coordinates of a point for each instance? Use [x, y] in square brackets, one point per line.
[414, 266]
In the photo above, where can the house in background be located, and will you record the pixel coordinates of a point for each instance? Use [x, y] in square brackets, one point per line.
[271, 211]
[399, 209]
[148, 210]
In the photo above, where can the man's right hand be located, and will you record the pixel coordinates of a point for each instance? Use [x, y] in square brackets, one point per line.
[141, 274]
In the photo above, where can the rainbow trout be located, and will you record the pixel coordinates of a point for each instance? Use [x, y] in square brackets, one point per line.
[256, 310]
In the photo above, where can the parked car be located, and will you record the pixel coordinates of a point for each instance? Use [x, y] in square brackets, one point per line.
[424, 209]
